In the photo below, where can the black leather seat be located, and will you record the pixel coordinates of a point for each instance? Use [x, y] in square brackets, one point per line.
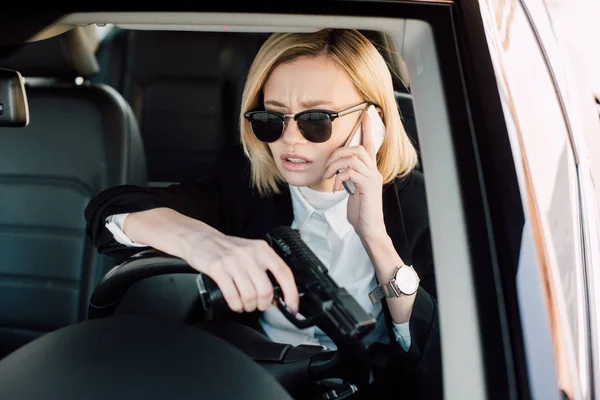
[81, 139]
[386, 46]
[185, 89]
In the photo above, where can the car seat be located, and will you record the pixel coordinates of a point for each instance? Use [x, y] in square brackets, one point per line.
[81, 138]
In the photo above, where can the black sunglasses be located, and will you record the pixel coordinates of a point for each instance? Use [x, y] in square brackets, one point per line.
[314, 125]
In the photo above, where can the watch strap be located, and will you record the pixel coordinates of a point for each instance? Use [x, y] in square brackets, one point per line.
[386, 290]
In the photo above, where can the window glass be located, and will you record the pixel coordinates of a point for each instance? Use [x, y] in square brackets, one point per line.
[550, 187]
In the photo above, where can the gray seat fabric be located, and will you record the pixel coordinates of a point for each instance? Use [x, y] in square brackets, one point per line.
[80, 140]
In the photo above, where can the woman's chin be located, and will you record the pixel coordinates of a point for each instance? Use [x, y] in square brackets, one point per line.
[296, 179]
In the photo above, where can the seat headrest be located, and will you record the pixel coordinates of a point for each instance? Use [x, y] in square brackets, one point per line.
[65, 56]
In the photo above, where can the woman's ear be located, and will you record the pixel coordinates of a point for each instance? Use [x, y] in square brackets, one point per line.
[379, 111]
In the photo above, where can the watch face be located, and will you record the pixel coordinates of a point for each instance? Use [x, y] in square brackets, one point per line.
[407, 280]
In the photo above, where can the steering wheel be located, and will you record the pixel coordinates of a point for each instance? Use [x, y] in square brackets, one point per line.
[112, 289]
[122, 291]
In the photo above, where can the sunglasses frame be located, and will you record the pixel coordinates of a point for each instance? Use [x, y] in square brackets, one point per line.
[284, 117]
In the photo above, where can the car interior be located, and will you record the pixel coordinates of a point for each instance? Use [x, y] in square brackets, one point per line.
[125, 99]
[109, 129]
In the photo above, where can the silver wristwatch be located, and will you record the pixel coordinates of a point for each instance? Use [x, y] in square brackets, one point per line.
[404, 283]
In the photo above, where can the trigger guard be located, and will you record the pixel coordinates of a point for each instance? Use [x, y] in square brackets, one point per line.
[299, 323]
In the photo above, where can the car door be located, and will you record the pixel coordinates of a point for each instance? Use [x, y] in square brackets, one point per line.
[556, 280]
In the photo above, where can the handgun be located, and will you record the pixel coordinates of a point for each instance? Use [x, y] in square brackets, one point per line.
[322, 301]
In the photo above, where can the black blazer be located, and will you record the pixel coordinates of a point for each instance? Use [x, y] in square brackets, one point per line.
[230, 204]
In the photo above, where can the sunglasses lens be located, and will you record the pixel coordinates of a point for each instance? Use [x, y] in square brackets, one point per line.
[315, 126]
[267, 127]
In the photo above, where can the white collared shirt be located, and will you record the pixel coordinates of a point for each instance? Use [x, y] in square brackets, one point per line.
[321, 220]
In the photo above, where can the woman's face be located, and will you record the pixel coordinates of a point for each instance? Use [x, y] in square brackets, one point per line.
[307, 84]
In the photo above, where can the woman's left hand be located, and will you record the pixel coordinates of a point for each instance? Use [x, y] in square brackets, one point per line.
[365, 212]
[358, 164]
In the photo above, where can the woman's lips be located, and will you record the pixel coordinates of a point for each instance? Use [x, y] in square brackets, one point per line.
[295, 162]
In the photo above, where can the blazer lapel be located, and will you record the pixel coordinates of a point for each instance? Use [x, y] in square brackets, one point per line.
[270, 213]
[394, 222]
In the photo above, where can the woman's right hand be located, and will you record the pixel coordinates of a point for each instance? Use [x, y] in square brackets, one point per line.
[239, 267]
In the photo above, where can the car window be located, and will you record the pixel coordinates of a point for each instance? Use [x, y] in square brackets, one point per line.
[567, 48]
[560, 243]
[547, 161]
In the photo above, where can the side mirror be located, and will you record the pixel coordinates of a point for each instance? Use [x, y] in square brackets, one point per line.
[14, 109]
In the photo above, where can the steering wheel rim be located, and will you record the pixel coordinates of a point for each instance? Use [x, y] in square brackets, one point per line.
[114, 285]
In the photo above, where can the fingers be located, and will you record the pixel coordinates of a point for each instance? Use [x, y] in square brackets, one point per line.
[262, 288]
[242, 277]
[352, 162]
[282, 274]
[358, 151]
[350, 175]
[227, 287]
[246, 289]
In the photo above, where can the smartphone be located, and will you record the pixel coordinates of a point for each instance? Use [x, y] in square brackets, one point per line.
[378, 131]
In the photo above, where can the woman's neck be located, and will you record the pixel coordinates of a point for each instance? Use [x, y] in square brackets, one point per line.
[324, 186]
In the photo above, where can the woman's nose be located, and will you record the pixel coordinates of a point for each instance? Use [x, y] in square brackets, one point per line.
[291, 133]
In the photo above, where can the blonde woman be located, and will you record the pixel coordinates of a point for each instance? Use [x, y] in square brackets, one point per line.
[305, 94]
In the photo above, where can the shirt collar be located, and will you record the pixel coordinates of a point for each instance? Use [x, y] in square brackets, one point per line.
[335, 215]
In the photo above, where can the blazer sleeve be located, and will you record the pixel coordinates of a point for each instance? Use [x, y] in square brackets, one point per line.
[417, 371]
[198, 200]
[202, 200]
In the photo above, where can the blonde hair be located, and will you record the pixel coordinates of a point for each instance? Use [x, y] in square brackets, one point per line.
[367, 69]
